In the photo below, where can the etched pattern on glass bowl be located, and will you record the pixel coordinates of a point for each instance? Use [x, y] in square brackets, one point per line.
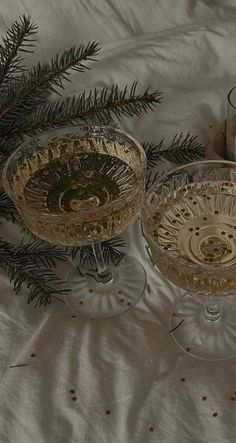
[189, 220]
[81, 185]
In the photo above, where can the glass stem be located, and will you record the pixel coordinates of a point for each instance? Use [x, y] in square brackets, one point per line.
[212, 310]
[103, 274]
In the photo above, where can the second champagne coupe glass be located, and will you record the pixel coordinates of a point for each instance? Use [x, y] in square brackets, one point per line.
[189, 221]
[81, 185]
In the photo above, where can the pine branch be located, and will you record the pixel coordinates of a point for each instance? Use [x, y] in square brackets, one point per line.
[7, 207]
[41, 253]
[27, 90]
[7, 145]
[97, 107]
[42, 283]
[153, 153]
[184, 149]
[181, 150]
[18, 39]
[111, 253]
[111, 250]
[151, 178]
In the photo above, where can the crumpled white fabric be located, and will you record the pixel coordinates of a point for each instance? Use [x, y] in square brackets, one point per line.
[132, 383]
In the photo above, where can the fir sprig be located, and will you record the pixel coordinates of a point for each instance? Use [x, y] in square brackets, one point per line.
[7, 207]
[98, 107]
[42, 282]
[19, 38]
[41, 253]
[29, 89]
[111, 249]
[182, 149]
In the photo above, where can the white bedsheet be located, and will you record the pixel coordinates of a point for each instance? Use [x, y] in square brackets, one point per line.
[132, 384]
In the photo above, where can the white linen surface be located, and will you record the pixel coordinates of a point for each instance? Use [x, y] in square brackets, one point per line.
[132, 383]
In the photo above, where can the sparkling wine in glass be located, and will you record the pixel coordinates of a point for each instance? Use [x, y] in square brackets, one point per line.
[81, 185]
[189, 219]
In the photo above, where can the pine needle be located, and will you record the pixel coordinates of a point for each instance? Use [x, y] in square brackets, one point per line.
[111, 250]
[18, 39]
[42, 283]
[183, 149]
[97, 107]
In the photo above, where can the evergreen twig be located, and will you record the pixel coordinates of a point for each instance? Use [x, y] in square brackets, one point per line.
[41, 253]
[7, 207]
[18, 39]
[98, 107]
[29, 89]
[42, 282]
[111, 249]
[183, 149]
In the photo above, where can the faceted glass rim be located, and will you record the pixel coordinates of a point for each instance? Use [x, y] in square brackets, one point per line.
[171, 257]
[89, 127]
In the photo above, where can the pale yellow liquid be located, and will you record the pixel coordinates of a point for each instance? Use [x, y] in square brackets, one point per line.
[199, 225]
[75, 190]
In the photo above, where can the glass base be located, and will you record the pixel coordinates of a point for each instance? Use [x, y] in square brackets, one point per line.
[199, 336]
[101, 300]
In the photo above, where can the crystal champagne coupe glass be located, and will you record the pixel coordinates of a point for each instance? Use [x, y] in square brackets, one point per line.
[189, 220]
[81, 185]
